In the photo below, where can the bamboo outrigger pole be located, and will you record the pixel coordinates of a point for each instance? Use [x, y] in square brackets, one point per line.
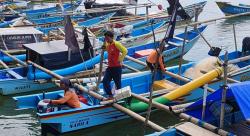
[3, 64]
[14, 58]
[202, 22]
[100, 97]
[184, 116]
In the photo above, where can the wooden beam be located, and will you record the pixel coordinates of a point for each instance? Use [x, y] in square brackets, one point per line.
[3, 64]
[14, 58]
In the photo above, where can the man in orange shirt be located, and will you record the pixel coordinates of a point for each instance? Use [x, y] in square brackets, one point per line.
[152, 59]
[70, 97]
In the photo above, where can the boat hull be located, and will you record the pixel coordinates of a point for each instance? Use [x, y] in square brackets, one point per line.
[8, 87]
[229, 9]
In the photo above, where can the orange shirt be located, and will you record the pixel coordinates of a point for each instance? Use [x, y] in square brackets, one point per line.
[152, 58]
[70, 98]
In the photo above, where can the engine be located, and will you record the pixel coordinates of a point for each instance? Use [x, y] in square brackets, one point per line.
[43, 107]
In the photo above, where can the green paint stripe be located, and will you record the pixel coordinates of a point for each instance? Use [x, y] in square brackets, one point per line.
[141, 106]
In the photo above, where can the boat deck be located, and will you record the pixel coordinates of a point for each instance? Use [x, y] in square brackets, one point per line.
[189, 128]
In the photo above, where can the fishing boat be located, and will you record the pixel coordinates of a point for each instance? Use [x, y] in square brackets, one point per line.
[236, 113]
[14, 4]
[87, 23]
[230, 9]
[132, 37]
[46, 12]
[31, 74]
[14, 38]
[92, 4]
[92, 113]
[96, 23]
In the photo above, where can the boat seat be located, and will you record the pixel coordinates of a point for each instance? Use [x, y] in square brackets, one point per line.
[14, 74]
[181, 39]
[173, 43]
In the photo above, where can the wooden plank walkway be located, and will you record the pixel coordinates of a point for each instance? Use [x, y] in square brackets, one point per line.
[191, 129]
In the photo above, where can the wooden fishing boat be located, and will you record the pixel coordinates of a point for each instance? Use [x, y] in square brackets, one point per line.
[46, 12]
[92, 4]
[230, 9]
[14, 4]
[14, 38]
[92, 113]
[53, 22]
[236, 113]
[136, 36]
[31, 74]
[86, 23]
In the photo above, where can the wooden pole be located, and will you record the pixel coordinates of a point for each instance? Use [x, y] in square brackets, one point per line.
[196, 15]
[203, 22]
[100, 97]
[235, 39]
[245, 58]
[235, 72]
[131, 68]
[14, 58]
[135, 60]
[100, 69]
[147, 12]
[182, 51]
[4, 65]
[224, 92]
[16, 51]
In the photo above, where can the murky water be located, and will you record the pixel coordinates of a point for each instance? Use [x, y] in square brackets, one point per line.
[220, 33]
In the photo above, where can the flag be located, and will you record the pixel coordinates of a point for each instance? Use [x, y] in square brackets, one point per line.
[70, 37]
[180, 10]
[87, 44]
[88, 48]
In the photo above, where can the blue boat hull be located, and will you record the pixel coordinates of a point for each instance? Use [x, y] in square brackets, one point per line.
[229, 9]
[14, 86]
[91, 114]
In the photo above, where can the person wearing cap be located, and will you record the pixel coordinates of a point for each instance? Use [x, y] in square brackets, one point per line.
[152, 59]
[116, 53]
[70, 97]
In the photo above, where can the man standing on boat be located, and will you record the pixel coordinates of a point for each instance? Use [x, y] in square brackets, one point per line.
[115, 59]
